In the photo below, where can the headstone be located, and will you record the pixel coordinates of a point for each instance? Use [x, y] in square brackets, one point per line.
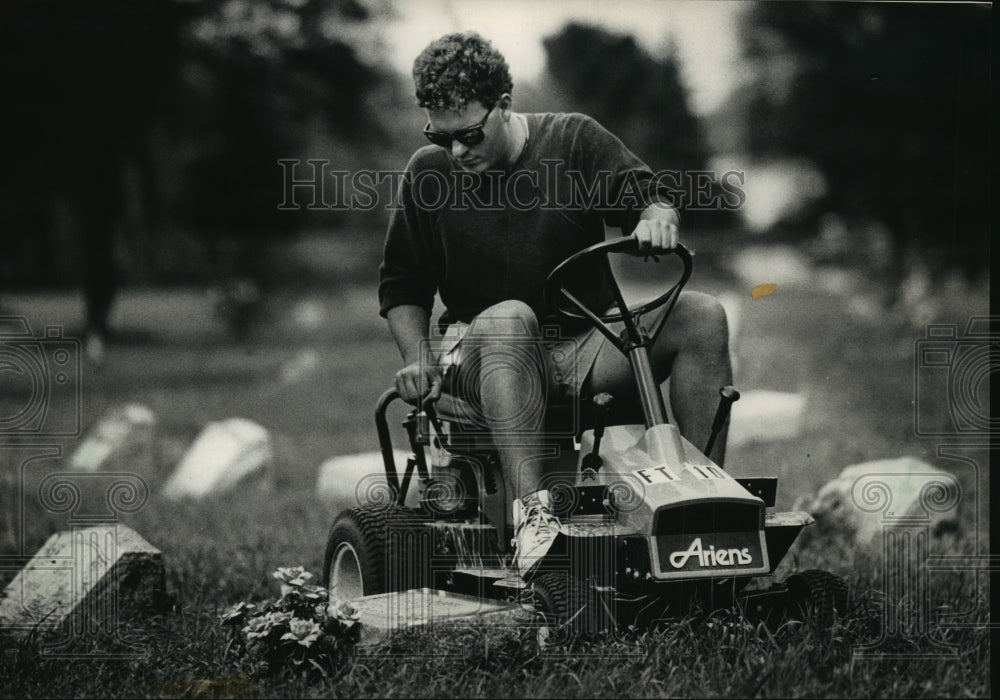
[839, 281]
[865, 308]
[870, 497]
[783, 265]
[309, 314]
[224, 454]
[301, 366]
[349, 481]
[381, 615]
[763, 416]
[123, 439]
[90, 577]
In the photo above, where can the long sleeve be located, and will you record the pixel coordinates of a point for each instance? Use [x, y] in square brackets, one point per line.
[409, 273]
[630, 183]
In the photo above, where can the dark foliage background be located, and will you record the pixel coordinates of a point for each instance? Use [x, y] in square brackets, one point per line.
[892, 103]
[142, 139]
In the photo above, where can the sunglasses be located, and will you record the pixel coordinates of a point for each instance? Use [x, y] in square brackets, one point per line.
[469, 136]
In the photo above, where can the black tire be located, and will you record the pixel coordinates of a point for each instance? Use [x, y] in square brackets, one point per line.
[373, 550]
[817, 596]
[567, 609]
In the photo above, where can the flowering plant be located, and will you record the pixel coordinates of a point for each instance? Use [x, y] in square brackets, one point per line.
[304, 629]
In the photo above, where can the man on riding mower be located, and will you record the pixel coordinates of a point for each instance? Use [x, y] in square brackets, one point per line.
[485, 212]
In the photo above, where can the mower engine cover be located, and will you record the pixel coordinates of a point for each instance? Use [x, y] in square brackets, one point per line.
[697, 520]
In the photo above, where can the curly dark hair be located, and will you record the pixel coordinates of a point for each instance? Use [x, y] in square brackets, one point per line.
[457, 69]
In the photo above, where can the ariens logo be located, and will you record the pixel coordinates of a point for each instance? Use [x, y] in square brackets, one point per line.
[711, 556]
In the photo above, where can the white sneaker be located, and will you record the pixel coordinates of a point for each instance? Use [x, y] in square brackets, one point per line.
[534, 529]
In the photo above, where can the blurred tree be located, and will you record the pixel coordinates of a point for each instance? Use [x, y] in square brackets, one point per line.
[639, 98]
[82, 81]
[891, 102]
[260, 79]
[184, 105]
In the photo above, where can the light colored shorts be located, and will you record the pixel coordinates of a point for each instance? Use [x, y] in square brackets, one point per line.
[568, 359]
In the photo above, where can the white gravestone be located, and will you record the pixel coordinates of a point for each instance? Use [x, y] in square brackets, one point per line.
[868, 498]
[349, 481]
[764, 416]
[90, 577]
[224, 454]
[783, 265]
[122, 439]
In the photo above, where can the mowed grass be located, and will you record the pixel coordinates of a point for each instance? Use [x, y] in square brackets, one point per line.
[311, 370]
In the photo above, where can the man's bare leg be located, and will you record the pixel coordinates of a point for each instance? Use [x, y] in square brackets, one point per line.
[693, 350]
[511, 386]
[512, 381]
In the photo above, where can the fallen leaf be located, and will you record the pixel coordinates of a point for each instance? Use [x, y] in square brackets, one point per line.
[762, 290]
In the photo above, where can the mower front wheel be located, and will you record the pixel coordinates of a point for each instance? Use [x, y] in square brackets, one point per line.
[817, 596]
[567, 609]
[373, 550]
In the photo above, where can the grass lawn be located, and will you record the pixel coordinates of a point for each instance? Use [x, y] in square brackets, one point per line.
[310, 372]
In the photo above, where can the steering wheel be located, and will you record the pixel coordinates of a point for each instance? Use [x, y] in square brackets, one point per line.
[556, 291]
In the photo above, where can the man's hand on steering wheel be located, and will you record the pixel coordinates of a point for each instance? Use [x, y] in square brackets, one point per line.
[418, 381]
[657, 231]
[566, 304]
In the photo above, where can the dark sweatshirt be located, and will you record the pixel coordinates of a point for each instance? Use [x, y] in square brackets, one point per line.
[483, 239]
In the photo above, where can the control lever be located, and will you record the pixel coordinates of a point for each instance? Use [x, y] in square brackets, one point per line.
[592, 461]
[423, 434]
[427, 418]
[727, 397]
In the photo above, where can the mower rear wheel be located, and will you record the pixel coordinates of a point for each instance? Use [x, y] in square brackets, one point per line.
[373, 550]
[568, 609]
[817, 596]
